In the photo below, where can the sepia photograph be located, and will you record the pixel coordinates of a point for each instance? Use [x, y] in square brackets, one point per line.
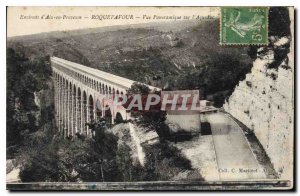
[150, 98]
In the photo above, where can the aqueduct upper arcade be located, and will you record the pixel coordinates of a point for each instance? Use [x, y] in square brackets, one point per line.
[78, 89]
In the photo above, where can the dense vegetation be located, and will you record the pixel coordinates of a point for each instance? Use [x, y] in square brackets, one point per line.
[50, 158]
[60, 160]
[188, 57]
[25, 78]
[152, 119]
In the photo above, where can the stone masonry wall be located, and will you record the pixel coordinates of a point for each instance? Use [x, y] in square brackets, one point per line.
[264, 102]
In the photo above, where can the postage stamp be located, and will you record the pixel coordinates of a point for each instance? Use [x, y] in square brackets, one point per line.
[244, 25]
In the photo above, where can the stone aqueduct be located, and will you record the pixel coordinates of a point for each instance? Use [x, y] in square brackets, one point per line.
[79, 92]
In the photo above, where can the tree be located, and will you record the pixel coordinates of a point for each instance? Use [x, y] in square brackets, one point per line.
[103, 148]
[138, 88]
[124, 162]
[154, 118]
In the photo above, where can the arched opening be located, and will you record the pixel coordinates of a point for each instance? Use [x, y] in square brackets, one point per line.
[63, 81]
[84, 111]
[79, 124]
[106, 89]
[74, 109]
[118, 92]
[109, 90]
[98, 109]
[108, 116]
[70, 107]
[65, 107]
[119, 118]
[100, 90]
[91, 109]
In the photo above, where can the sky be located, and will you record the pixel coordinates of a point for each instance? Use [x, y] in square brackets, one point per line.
[32, 20]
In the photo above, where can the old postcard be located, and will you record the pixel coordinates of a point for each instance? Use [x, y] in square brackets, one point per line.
[150, 98]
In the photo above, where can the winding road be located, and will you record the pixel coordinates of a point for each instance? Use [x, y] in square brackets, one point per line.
[234, 157]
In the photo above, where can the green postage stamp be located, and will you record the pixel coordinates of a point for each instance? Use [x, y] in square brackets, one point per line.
[244, 25]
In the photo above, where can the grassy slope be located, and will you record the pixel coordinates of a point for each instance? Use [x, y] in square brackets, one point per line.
[145, 53]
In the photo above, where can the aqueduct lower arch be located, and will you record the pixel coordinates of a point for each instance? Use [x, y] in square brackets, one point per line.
[77, 91]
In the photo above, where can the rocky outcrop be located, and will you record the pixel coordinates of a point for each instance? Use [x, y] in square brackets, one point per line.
[136, 138]
[264, 102]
